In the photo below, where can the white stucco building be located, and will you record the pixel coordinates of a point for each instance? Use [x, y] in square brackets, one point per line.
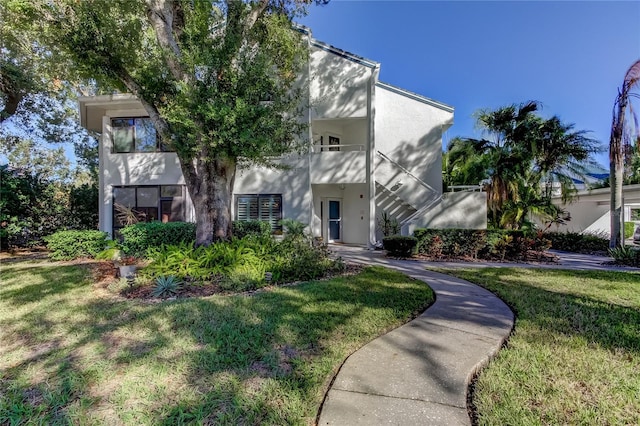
[373, 148]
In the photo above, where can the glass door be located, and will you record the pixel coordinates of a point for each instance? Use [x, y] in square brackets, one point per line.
[335, 221]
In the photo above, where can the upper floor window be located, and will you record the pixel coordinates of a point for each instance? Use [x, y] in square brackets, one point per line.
[135, 134]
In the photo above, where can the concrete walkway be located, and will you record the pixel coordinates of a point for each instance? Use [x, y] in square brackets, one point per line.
[418, 374]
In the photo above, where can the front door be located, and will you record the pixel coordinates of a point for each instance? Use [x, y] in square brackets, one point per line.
[335, 221]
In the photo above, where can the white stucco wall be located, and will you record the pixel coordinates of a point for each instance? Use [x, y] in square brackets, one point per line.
[338, 86]
[467, 210]
[409, 131]
[293, 184]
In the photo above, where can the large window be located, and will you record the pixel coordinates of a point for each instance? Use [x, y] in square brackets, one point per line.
[134, 135]
[132, 204]
[264, 207]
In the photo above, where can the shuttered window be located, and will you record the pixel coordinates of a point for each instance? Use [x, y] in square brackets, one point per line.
[263, 207]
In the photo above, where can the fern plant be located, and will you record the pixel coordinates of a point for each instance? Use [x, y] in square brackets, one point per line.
[166, 286]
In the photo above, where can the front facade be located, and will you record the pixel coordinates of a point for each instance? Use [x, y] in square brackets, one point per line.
[373, 148]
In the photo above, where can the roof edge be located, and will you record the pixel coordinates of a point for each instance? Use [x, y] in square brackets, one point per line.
[415, 96]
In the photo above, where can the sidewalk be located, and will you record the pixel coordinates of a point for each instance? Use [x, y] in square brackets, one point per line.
[418, 374]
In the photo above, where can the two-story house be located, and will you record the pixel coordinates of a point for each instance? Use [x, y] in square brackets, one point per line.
[374, 148]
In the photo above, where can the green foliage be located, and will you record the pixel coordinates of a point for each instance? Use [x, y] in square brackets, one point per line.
[256, 228]
[67, 245]
[112, 251]
[32, 207]
[220, 85]
[629, 227]
[626, 255]
[138, 238]
[480, 244]
[241, 264]
[166, 286]
[387, 225]
[294, 230]
[577, 242]
[519, 163]
[400, 246]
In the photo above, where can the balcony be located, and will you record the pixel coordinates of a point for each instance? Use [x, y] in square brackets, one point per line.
[343, 163]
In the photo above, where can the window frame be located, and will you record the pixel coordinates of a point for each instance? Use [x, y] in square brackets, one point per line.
[115, 226]
[159, 146]
[274, 216]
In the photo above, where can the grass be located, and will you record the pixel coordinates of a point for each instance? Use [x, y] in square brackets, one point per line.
[72, 352]
[574, 356]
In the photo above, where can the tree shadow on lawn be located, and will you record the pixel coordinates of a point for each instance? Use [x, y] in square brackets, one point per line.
[241, 359]
[49, 280]
[570, 311]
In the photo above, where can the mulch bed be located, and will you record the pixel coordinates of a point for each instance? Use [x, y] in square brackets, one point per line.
[104, 273]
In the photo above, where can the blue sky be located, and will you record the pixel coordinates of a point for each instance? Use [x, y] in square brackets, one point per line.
[569, 55]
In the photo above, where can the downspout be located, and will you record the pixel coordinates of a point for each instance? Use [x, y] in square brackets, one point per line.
[370, 164]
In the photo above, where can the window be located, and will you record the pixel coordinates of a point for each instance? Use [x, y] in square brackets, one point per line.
[134, 135]
[264, 207]
[132, 204]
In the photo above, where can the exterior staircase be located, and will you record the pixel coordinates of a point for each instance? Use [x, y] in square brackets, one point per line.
[400, 193]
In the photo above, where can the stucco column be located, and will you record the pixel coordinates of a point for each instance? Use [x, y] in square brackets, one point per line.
[371, 151]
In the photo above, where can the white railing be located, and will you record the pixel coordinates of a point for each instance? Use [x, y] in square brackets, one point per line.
[466, 188]
[336, 148]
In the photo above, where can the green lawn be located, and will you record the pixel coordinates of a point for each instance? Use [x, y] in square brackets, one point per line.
[72, 352]
[574, 356]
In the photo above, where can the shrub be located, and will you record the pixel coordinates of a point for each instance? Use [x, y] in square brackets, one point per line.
[138, 238]
[629, 227]
[400, 246]
[67, 245]
[257, 228]
[626, 255]
[576, 242]
[483, 244]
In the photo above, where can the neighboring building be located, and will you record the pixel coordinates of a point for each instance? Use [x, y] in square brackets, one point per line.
[373, 148]
[590, 212]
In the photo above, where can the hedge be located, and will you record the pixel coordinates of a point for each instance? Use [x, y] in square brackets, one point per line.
[479, 244]
[139, 237]
[577, 243]
[400, 246]
[67, 245]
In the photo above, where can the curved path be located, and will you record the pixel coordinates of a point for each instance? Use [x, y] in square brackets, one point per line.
[418, 374]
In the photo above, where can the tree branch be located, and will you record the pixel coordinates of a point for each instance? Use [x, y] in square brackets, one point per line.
[166, 18]
[254, 15]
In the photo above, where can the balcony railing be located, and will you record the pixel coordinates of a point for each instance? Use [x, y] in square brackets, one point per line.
[336, 148]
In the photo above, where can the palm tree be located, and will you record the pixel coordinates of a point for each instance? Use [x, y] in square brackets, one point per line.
[617, 150]
[521, 153]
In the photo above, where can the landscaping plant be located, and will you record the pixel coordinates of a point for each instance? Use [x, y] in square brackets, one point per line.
[166, 286]
[67, 245]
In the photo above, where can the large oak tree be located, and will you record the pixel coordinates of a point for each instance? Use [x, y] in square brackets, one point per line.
[217, 78]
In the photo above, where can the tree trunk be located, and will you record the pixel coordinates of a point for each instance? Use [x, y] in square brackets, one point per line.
[210, 185]
[616, 167]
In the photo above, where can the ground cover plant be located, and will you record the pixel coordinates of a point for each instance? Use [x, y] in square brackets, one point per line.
[574, 355]
[73, 352]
